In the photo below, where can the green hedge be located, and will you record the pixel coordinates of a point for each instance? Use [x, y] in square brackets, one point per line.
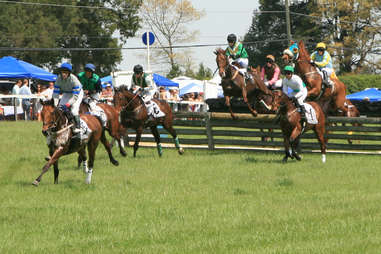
[356, 83]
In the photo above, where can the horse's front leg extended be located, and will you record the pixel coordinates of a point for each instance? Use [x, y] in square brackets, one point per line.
[227, 103]
[56, 155]
[244, 95]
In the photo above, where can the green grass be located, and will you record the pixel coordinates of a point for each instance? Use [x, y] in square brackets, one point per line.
[201, 202]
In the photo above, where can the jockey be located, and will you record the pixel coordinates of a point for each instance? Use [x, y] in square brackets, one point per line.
[294, 82]
[270, 73]
[144, 81]
[92, 88]
[322, 59]
[238, 54]
[72, 93]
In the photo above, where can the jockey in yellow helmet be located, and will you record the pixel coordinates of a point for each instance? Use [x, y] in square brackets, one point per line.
[322, 59]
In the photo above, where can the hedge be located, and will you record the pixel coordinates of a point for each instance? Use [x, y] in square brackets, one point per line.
[356, 83]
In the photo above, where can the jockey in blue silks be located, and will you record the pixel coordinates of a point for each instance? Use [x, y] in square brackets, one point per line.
[70, 87]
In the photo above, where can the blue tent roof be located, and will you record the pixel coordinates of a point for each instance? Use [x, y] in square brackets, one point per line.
[162, 81]
[11, 67]
[372, 93]
[191, 88]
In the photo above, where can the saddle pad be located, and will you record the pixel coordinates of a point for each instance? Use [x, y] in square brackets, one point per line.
[310, 114]
[85, 130]
[156, 110]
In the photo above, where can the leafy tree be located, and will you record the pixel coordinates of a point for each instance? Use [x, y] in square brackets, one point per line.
[167, 19]
[37, 26]
[268, 29]
[203, 73]
[174, 72]
[355, 32]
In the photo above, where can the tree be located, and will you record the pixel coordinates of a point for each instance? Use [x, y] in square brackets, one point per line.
[174, 72]
[167, 19]
[355, 32]
[203, 73]
[272, 18]
[41, 26]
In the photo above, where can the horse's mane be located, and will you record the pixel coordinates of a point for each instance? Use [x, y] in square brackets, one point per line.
[303, 53]
[219, 51]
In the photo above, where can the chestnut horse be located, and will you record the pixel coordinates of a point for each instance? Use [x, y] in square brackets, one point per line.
[292, 127]
[233, 83]
[134, 115]
[57, 128]
[310, 75]
[113, 126]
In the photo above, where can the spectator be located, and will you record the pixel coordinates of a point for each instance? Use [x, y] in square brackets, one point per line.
[163, 94]
[47, 94]
[26, 105]
[16, 91]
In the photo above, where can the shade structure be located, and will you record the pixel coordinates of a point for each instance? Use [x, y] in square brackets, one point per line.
[369, 94]
[11, 67]
[163, 81]
[191, 88]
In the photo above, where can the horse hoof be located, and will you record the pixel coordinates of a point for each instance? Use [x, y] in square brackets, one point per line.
[297, 157]
[36, 183]
[115, 163]
[284, 159]
[123, 153]
[181, 151]
[47, 158]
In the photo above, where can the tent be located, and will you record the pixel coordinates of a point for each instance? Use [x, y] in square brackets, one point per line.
[191, 88]
[11, 67]
[373, 94]
[163, 81]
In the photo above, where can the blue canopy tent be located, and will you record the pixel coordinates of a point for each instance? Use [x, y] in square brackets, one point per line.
[191, 88]
[11, 67]
[373, 94]
[163, 81]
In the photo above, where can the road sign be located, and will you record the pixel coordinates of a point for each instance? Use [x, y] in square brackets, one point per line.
[151, 38]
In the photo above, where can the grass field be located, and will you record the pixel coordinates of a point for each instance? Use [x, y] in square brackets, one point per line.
[201, 202]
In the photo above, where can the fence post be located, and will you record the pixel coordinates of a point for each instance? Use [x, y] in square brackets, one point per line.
[209, 131]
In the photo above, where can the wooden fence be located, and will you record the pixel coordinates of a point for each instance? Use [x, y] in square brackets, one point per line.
[219, 131]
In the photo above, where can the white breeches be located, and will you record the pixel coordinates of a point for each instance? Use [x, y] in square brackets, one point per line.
[66, 97]
[327, 70]
[277, 84]
[244, 62]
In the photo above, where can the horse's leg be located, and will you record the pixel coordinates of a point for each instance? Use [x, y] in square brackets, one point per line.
[57, 153]
[227, 102]
[172, 131]
[108, 148]
[139, 132]
[91, 147]
[115, 133]
[319, 132]
[295, 147]
[287, 151]
[55, 165]
[83, 157]
[244, 95]
[156, 135]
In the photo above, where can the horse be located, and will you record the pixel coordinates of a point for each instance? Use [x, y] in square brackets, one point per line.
[291, 126]
[314, 81]
[57, 128]
[113, 126]
[233, 83]
[134, 115]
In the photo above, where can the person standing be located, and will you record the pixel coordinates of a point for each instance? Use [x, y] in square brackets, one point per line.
[16, 91]
[92, 88]
[26, 105]
[70, 87]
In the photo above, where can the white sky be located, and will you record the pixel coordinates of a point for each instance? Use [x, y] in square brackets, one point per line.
[222, 18]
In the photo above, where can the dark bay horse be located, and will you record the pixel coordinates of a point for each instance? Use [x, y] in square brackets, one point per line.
[113, 126]
[314, 81]
[57, 128]
[292, 127]
[134, 115]
[233, 83]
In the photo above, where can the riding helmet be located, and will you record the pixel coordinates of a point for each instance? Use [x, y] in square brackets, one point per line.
[321, 45]
[66, 67]
[138, 69]
[270, 57]
[90, 67]
[232, 38]
[289, 68]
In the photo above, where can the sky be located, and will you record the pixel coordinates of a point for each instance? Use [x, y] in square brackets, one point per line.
[222, 17]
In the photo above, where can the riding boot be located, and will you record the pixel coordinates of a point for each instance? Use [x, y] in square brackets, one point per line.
[302, 112]
[77, 125]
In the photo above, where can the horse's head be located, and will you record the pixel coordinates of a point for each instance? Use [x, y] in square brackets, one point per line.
[123, 97]
[52, 117]
[222, 61]
[285, 104]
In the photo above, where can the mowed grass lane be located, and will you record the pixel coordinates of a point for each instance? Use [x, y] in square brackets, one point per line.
[201, 202]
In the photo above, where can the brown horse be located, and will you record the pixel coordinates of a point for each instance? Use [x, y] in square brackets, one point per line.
[113, 126]
[57, 128]
[233, 83]
[290, 123]
[134, 115]
[314, 81]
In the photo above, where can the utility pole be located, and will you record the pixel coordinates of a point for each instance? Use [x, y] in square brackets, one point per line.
[288, 25]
